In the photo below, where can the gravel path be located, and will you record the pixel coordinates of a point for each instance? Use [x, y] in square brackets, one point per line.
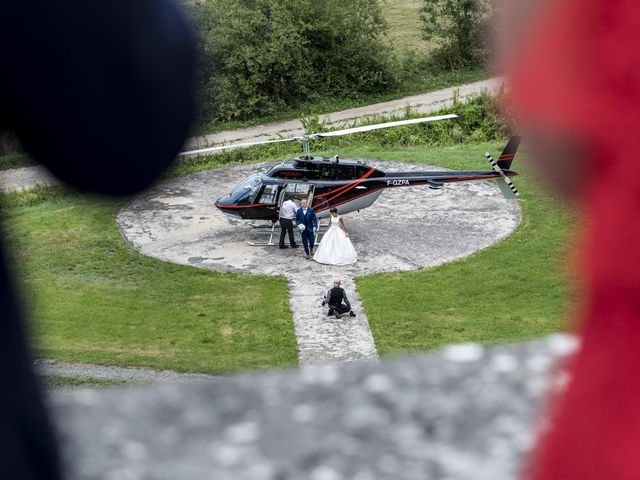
[19, 179]
[46, 367]
[464, 412]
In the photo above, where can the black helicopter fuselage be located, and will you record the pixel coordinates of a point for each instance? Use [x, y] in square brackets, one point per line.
[345, 184]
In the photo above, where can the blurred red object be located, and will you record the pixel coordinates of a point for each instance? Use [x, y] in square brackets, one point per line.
[575, 81]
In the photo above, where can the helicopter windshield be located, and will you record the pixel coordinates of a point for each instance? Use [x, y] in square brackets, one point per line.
[250, 185]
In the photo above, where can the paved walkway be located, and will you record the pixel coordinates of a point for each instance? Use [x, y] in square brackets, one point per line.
[20, 179]
[25, 178]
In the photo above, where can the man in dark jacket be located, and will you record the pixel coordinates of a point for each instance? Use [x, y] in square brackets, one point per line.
[337, 300]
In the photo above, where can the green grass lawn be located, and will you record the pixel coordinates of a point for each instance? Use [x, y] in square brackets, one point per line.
[94, 299]
[512, 291]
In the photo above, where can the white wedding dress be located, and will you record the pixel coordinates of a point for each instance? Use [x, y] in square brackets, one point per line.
[335, 247]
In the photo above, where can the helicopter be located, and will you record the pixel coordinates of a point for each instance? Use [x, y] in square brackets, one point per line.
[345, 184]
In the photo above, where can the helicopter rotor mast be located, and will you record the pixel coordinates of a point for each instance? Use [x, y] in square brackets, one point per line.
[305, 139]
[306, 149]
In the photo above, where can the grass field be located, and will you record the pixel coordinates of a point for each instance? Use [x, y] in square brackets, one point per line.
[405, 26]
[96, 300]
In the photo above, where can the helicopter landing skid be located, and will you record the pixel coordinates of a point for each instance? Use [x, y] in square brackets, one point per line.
[272, 231]
[263, 225]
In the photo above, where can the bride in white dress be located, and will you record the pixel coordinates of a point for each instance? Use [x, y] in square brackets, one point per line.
[335, 247]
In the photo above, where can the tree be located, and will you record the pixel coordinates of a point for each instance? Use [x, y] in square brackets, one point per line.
[458, 29]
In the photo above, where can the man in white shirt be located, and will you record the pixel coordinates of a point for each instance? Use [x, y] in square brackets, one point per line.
[287, 213]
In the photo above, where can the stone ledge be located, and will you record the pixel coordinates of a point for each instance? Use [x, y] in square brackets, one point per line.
[462, 413]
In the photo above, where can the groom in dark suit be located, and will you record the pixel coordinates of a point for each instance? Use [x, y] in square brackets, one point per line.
[307, 217]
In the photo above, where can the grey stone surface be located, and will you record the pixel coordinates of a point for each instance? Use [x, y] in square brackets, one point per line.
[407, 228]
[464, 413]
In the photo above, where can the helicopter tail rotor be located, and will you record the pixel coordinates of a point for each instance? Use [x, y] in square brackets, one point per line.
[505, 184]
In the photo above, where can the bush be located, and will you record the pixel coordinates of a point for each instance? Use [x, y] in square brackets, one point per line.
[260, 56]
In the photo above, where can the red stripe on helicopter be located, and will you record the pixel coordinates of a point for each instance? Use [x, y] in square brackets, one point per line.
[374, 189]
[345, 188]
[338, 189]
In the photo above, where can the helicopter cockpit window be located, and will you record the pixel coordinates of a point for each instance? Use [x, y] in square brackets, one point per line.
[250, 185]
[269, 194]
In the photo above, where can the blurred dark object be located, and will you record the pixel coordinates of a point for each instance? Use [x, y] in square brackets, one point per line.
[575, 87]
[100, 92]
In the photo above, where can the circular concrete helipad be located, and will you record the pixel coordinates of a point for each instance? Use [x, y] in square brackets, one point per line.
[407, 228]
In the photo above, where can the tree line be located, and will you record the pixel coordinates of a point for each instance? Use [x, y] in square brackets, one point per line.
[263, 56]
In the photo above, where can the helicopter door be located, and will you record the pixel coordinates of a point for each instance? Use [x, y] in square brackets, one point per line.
[282, 197]
[299, 191]
[312, 189]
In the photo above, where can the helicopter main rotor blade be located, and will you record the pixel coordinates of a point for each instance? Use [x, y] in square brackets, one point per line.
[234, 145]
[306, 138]
[378, 126]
